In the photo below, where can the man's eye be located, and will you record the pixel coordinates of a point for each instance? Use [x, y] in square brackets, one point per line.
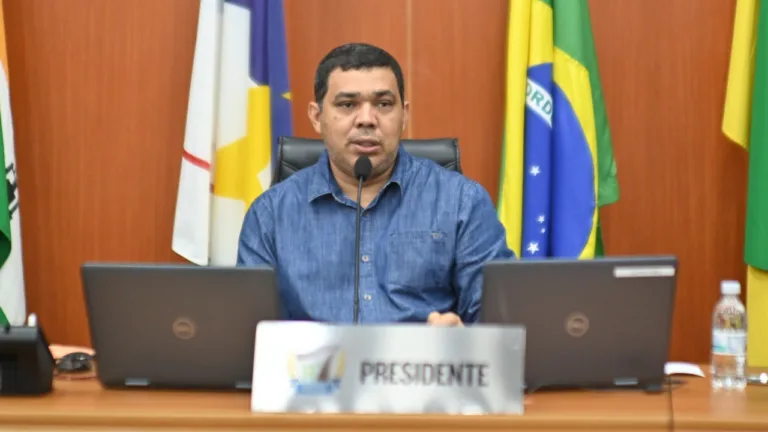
[346, 105]
[385, 103]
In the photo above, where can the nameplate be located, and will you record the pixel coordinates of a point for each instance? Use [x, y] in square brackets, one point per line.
[306, 367]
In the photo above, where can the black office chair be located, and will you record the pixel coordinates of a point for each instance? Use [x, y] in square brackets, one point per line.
[295, 153]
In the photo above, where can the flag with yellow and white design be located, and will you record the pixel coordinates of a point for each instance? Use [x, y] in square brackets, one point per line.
[239, 105]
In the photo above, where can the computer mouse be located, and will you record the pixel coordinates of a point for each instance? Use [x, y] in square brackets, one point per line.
[75, 362]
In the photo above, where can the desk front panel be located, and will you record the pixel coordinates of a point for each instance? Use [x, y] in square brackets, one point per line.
[84, 405]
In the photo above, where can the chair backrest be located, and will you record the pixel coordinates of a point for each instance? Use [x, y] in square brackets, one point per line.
[295, 153]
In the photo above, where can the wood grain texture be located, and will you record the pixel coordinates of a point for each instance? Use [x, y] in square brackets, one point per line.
[314, 27]
[79, 404]
[683, 186]
[458, 80]
[99, 93]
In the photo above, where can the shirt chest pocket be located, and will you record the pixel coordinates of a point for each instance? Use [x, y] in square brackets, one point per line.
[418, 259]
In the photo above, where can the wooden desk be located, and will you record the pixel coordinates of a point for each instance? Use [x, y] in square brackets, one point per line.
[83, 405]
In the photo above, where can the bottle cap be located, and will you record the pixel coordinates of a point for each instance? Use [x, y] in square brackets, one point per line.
[730, 287]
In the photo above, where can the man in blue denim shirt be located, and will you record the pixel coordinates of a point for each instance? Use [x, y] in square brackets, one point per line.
[426, 232]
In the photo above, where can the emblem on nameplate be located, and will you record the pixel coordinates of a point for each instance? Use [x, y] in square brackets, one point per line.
[318, 372]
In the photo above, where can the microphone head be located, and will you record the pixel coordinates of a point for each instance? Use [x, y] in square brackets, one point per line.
[363, 168]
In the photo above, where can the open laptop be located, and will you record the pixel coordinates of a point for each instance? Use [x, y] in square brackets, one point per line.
[176, 325]
[597, 323]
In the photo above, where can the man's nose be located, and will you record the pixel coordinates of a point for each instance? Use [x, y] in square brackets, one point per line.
[366, 117]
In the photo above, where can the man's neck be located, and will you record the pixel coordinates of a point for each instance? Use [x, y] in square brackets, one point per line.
[371, 187]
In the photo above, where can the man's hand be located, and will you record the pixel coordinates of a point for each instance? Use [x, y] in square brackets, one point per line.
[448, 319]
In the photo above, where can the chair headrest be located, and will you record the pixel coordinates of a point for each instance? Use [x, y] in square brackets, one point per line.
[294, 154]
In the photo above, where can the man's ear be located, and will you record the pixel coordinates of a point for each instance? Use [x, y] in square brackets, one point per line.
[313, 112]
[406, 114]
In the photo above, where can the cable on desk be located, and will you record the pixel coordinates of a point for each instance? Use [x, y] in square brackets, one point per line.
[671, 406]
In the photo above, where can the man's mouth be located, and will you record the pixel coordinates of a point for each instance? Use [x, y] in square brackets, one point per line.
[366, 142]
[366, 145]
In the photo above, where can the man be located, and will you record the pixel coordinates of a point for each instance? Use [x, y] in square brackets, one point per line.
[426, 231]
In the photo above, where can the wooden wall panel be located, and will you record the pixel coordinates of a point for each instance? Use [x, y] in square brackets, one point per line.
[99, 92]
[664, 68]
[458, 80]
[314, 27]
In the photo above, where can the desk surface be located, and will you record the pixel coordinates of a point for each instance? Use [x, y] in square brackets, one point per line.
[83, 405]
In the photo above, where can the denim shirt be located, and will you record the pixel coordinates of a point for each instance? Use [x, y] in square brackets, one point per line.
[424, 240]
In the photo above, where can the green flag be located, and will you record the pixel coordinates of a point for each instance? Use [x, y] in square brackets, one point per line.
[756, 235]
[744, 122]
[756, 241]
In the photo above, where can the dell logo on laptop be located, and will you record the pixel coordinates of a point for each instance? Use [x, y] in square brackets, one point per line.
[577, 324]
[184, 328]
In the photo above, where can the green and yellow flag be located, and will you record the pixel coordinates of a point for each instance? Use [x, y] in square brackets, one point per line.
[558, 167]
[745, 122]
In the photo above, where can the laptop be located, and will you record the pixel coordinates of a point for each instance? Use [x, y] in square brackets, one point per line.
[597, 323]
[176, 325]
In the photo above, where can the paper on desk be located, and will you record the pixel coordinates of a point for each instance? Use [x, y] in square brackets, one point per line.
[680, 368]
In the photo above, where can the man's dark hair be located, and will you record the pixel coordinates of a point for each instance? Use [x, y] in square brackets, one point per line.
[355, 56]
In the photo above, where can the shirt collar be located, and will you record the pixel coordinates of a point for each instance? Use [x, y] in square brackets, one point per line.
[322, 181]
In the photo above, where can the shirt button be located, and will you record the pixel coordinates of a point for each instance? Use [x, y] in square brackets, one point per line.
[367, 297]
[366, 258]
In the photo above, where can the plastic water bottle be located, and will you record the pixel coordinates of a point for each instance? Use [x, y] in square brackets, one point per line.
[729, 339]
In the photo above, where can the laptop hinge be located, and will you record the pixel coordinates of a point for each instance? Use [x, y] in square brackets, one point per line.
[243, 385]
[136, 382]
[625, 382]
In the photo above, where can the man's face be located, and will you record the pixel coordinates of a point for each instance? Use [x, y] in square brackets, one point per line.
[362, 114]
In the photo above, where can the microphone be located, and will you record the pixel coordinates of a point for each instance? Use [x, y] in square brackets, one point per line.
[363, 170]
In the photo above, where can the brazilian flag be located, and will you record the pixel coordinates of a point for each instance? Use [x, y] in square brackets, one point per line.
[558, 167]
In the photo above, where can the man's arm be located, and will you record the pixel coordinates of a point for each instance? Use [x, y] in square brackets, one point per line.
[481, 238]
[257, 235]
